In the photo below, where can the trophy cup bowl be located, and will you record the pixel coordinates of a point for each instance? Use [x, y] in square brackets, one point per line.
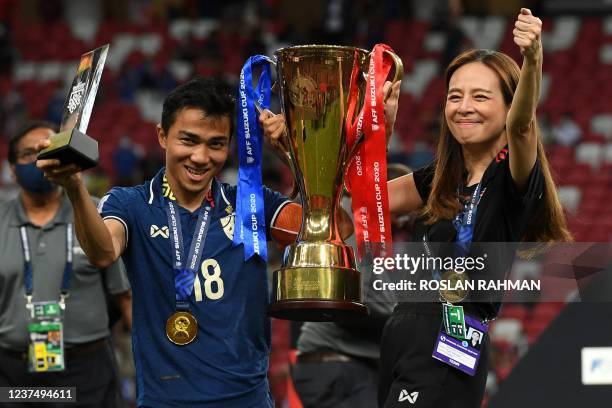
[318, 279]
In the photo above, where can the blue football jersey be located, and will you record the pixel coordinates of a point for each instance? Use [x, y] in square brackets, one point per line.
[226, 365]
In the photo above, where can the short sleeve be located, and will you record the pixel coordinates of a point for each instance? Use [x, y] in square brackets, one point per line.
[115, 205]
[534, 188]
[423, 178]
[521, 206]
[116, 279]
[273, 203]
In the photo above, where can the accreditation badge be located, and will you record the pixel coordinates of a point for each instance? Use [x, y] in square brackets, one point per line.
[461, 353]
[46, 338]
[453, 320]
[181, 328]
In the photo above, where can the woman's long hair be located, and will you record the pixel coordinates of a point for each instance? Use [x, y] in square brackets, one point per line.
[548, 223]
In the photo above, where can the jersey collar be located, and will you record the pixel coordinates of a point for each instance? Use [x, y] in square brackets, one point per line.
[159, 190]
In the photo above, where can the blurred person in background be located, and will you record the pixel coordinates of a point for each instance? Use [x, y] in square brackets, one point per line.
[39, 220]
[125, 162]
[566, 132]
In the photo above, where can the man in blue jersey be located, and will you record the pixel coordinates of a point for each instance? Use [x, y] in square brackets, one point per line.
[199, 339]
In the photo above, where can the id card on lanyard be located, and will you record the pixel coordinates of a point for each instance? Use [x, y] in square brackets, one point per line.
[462, 353]
[45, 319]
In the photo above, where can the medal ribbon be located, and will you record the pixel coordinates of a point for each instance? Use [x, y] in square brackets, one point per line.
[249, 195]
[464, 223]
[27, 263]
[355, 175]
[367, 173]
[465, 230]
[185, 270]
[466, 220]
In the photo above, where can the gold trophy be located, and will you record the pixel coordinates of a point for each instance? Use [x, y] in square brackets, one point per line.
[318, 279]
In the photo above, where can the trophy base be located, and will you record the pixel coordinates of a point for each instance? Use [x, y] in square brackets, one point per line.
[72, 147]
[317, 310]
[317, 293]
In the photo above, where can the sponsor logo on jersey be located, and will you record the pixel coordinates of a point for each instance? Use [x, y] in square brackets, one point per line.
[156, 231]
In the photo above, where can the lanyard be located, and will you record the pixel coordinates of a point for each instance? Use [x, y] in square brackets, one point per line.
[436, 273]
[27, 266]
[464, 223]
[186, 270]
[465, 230]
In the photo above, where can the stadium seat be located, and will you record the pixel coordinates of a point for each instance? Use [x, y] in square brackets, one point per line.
[589, 153]
[417, 81]
[607, 26]
[484, 32]
[180, 29]
[203, 27]
[563, 35]
[149, 44]
[123, 44]
[507, 329]
[512, 311]
[602, 124]
[607, 154]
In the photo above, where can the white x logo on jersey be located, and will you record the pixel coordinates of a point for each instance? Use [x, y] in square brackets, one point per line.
[156, 231]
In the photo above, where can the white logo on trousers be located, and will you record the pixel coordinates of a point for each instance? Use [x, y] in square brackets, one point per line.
[410, 397]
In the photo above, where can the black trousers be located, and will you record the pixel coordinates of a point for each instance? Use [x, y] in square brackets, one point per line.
[94, 375]
[407, 366]
[350, 384]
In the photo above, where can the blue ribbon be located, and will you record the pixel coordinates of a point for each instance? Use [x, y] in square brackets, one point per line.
[251, 224]
[185, 271]
[465, 225]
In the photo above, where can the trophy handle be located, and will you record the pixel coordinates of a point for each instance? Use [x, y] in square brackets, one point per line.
[399, 66]
[282, 148]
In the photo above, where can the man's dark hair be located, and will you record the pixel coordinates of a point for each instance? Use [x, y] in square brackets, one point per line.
[24, 130]
[211, 96]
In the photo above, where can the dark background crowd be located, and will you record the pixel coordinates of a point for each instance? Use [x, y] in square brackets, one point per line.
[158, 44]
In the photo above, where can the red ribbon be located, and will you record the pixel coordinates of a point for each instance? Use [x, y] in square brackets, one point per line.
[367, 173]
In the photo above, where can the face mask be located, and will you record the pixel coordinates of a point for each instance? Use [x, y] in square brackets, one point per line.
[32, 179]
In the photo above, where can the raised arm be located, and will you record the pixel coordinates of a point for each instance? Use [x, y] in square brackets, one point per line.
[102, 241]
[522, 140]
[403, 195]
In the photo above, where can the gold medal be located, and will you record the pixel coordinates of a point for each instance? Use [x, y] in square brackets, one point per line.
[457, 287]
[181, 328]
